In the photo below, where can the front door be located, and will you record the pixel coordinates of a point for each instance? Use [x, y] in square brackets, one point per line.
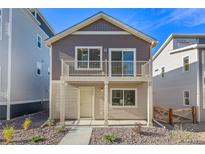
[86, 102]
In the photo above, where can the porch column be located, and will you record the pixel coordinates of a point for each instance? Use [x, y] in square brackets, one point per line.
[150, 97]
[106, 102]
[62, 103]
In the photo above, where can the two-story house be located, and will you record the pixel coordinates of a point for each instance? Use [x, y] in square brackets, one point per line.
[24, 62]
[101, 69]
[179, 73]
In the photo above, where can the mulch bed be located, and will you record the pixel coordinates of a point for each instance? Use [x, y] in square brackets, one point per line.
[49, 134]
[147, 136]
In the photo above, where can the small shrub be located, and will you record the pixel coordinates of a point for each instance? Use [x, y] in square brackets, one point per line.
[60, 129]
[36, 138]
[8, 133]
[111, 138]
[181, 135]
[50, 122]
[27, 123]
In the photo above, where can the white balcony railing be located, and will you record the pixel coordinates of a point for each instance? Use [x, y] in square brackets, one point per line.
[105, 68]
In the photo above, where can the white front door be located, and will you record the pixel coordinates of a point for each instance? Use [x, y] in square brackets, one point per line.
[86, 102]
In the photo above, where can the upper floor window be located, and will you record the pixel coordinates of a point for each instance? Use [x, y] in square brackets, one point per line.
[162, 71]
[186, 98]
[38, 68]
[88, 58]
[1, 23]
[39, 41]
[186, 64]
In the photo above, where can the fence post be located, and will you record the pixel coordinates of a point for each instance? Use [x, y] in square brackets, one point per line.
[171, 116]
[193, 109]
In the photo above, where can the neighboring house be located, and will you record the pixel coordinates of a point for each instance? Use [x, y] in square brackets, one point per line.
[24, 62]
[179, 73]
[100, 70]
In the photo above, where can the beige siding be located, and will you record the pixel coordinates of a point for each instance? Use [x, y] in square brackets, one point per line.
[138, 112]
[71, 99]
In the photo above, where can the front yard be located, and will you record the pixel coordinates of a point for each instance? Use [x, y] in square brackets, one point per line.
[45, 135]
[145, 136]
[138, 135]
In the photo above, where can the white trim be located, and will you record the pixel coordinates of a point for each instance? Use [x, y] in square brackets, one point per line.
[122, 49]
[88, 47]
[188, 98]
[50, 84]
[185, 56]
[78, 104]
[101, 33]
[1, 24]
[41, 42]
[166, 42]
[9, 66]
[136, 102]
[25, 101]
[110, 19]
[0, 78]
[199, 92]
[56, 81]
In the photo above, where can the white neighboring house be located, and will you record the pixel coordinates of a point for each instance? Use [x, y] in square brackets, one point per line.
[179, 73]
[24, 62]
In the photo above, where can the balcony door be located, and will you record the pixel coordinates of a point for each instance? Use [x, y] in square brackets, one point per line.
[122, 62]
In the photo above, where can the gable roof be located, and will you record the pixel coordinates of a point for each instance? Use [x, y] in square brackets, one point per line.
[176, 35]
[92, 19]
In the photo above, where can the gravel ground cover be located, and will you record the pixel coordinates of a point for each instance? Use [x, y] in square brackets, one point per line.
[147, 135]
[50, 134]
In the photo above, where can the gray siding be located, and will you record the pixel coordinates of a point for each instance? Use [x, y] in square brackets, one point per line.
[25, 84]
[101, 25]
[4, 54]
[65, 48]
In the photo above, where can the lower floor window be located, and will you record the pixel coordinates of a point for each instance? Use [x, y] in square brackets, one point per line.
[186, 97]
[123, 97]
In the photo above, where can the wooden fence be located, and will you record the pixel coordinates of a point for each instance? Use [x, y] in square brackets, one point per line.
[172, 116]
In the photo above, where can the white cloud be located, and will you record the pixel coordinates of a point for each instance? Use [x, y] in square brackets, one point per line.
[184, 17]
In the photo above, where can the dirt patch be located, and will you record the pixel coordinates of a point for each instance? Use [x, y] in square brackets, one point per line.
[50, 134]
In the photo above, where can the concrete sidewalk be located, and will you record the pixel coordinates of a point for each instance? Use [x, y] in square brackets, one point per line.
[77, 136]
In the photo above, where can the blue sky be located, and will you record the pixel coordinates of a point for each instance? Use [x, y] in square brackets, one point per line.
[159, 23]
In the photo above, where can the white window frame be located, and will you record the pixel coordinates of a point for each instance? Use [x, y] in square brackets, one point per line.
[122, 49]
[183, 63]
[88, 47]
[41, 68]
[184, 98]
[38, 36]
[1, 24]
[113, 106]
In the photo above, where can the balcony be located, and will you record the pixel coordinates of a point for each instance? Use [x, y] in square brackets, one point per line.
[99, 70]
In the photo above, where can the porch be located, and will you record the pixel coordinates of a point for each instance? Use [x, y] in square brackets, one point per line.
[100, 123]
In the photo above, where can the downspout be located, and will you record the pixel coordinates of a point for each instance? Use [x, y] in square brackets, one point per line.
[9, 66]
[198, 84]
[50, 85]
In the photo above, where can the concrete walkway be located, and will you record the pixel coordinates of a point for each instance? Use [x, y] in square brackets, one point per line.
[77, 136]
